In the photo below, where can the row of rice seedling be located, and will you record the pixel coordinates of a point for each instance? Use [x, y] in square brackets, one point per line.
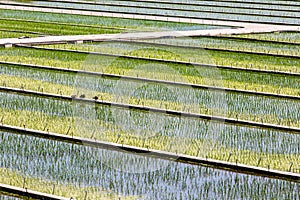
[234, 44]
[158, 70]
[291, 37]
[18, 179]
[187, 7]
[71, 167]
[201, 56]
[234, 105]
[195, 5]
[53, 29]
[134, 68]
[234, 4]
[156, 131]
[9, 34]
[177, 104]
[21, 179]
[173, 13]
[67, 24]
[132, 24]
[132, 175]
[271, 2]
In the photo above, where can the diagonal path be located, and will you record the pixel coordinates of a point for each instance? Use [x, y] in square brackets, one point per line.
[236, 27]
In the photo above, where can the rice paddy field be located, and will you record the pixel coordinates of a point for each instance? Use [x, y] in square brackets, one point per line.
[208, 116]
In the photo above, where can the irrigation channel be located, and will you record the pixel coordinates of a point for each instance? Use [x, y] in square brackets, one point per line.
[156, 14]
[148, 80]
[27, 193]
[226, 120]
[223, 165]
[169, 8]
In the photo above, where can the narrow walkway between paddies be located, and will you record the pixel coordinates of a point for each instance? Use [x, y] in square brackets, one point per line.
[24, 192]
[241, 28]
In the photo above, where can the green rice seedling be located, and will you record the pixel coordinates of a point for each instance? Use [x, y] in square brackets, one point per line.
[52, 29]
[8, 34]
[233, 44]
[74, 167]
[130, 24]
[157, 131]
[17, 179]
[183, 73]
[200, 7]
[291, 37]
[222, 58]
[178, 13]
[271, 110]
